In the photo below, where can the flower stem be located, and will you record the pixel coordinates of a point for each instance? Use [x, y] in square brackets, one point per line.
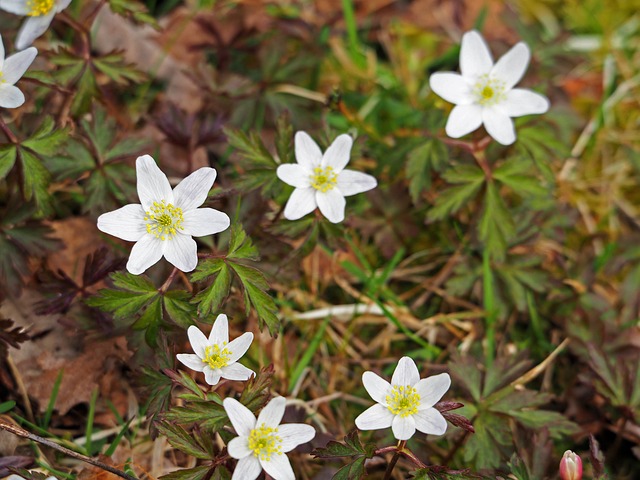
[8, 133]
[165, 286]
[398, 451]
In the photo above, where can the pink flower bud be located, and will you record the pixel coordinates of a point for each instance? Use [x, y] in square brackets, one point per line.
[570, 466]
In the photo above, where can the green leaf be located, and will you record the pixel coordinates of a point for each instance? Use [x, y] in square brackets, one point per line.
[430, 155]
[7, 159]
[35, 179]
[210, 299]
[511, 174]
[256, 391]
[241, 246]
[197, 473]
[265, 308]
[114, 66]
[469, 179]
[132, 294]
[496, 226]
[134, 10]
[178, 307]
[184, 441]
[47, 140]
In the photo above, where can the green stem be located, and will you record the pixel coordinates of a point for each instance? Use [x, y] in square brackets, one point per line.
[350, 22]
[489, 305]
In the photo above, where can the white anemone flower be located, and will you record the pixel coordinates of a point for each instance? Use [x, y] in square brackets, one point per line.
[405, 404]
[216, 356]
[321, 180]
[262, 443]
[11, 70]
[13, 476]
[40, 13]
[167, 220]
[484, 92]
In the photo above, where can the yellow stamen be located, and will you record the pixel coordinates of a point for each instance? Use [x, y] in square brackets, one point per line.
[403, 400]
[323, 179]
[489, 91]
[163, 220]
[38, 8]
[264, 442]
[216, 357]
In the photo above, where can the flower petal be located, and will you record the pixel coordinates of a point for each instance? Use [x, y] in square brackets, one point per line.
[2, 52]
[271, 415]
[403, 427]
[126, 222]
[294, 434]
[212, 376]
[192, 191]
[406, 373]
[236, 371]
[18, 7]
[308, 153]
[338, 154]
[452, 87]
[181, 251]
[240, 416]
[194, 362]
[11, 96]
[220, 330]
[430, 421]
[499, 125]
[351, 182]
[475, 56]
[431, 389]
[247, 468]
[198, 340]
[294, 175]
[376, 386]
[279, 467]
[204, 221]
[239, 346]
[511, 66]
[145, 253]
[239, 448]
[464, 119]
[32, 28]
[15, 66]
[331, 203]
[524, 102]
[374, 418]
[301, 202]
[153, 185]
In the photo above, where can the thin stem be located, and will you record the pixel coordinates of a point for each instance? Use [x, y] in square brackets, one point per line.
[165, 286]
[398, 450]
[7, 131]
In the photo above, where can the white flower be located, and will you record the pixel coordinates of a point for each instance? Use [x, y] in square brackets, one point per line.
[11, 69]
[13, 476]
[217, 357]
[484, 93]
[321, 180]
[405, 404]
[262, 443]
[166, 220]
[40, 13]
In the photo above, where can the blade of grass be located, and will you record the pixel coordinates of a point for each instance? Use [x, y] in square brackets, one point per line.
[116, 440]
[488, 297]
[308, 354]
[90, 416]
[6, 406]
[352, 28]
[52, 400]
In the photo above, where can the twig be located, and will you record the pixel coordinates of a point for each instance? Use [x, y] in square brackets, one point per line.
[538, 369]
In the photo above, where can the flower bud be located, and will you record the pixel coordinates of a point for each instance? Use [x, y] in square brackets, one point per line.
[570, 466]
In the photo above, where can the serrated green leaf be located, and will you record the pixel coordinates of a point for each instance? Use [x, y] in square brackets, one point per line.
[7, 159]
[47, 140]
[241, 246]
[250, 147]
[511, 174]
[265, 308]
[133, 293]
[35, 179]
[179, 438]
[196, 473]
[178, 306]
[114, 66]
[134, 10]
[256, 392]
[452, 199]
[210, 299]
[430, 155]
[496, 226]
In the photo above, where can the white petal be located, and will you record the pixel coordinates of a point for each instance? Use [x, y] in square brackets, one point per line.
[211, 376]
[475, 56]
[247, 469]
[181, 251]
[430, 421]
[403, 427]
[240, 416]
[10, 96]
[204, 221]
[294, 175]
[431, 389]
[524, 102]
[153, 185]
[308, 153]
[15, 66]
[192, 361]
[331, 203]
[239, 346]
[464, 119]
[2, 52]
[499, 125]
[198, 340]
[279, 467]
[19, 7]
[376, 386]
[452, 87]
[406, 373]
[145, 253]
[239, 448]
[301, 202]
[220, 330]
[271, 415]
[236, 371]
[375, 418]
[192, 191]
[338, 154]
[32, 28]
[126, 222]
[351, 182]
[294, 434]
[511, 66]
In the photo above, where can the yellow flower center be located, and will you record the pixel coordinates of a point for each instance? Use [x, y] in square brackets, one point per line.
[403, 400]
[163, 220]
[38, 8]
[264, 442]
[216, 357]
[323, 179]
[489, 91]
